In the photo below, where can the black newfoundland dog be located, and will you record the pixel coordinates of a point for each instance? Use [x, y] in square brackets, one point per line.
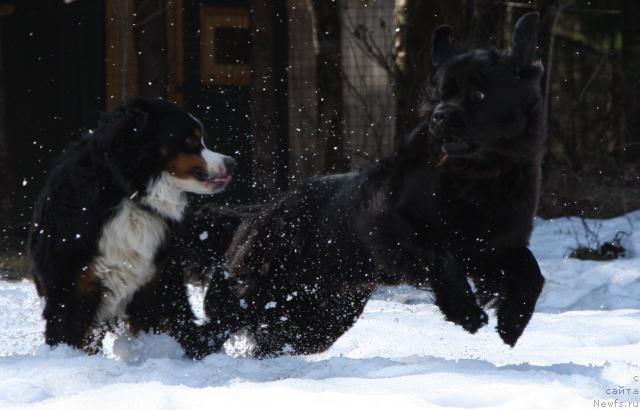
[101, 233]
[456, 203]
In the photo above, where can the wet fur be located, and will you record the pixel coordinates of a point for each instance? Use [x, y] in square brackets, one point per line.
[100, 243]
[302, 272]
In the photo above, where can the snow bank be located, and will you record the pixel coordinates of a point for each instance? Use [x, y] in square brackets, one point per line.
[581, 350]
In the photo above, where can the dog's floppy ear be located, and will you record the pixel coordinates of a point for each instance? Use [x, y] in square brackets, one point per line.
[442, 45]
[139, 109]
[524, 40]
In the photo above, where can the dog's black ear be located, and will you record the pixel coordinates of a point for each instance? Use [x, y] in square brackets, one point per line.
[140, 109]
[140, 105]
[524, 40]
[442, 45]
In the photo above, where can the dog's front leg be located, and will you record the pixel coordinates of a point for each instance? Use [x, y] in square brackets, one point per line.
[402, 259]
[453, 295]
[520, 285]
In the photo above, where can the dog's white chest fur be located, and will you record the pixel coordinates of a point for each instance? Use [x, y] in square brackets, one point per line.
[129, 243]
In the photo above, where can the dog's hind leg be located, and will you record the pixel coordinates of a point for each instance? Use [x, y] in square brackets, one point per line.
[520, 287]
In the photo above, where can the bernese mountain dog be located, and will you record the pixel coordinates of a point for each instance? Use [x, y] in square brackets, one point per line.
[100, 239]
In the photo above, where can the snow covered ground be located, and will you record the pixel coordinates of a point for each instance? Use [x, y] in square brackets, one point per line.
[581, 350]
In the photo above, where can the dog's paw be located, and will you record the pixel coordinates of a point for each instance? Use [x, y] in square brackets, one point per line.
[511, 323]
[471, 318]
[201, 346]
[475, 321]
[198, 342]
[509, 334]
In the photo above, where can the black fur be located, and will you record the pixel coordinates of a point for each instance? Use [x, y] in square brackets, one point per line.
[455, 203]
[130, 147]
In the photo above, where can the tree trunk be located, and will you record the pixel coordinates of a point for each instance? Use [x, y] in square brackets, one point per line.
[151, 46]
[547, 10]
[617, 140]
[5, 178]
[487, 25]
[415, 21]
[631, 77]
[268, 87]
[325, 16]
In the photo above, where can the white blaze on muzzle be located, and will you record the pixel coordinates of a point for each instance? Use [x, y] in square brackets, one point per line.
[214, 160]
[218, 175]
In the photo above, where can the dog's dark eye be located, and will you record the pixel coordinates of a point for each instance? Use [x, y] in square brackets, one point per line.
[199, 173]
[193, 142]
[478, 96]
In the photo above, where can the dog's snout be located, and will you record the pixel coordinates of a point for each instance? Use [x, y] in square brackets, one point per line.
[448, 117]
[230, 164]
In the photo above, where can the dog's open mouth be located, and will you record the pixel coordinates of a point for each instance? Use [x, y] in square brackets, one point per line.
[218, 182]
[456, 148]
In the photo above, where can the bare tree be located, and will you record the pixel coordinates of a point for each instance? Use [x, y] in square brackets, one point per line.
[487, 25]
[5, 178]
[551, 12]
[546, 8]
[408, 62]
[140, 45]
[266, 84]
[631, 77]
[122, 13]
[150, 31]
[325, 16]
[368, 70]
[415, 21]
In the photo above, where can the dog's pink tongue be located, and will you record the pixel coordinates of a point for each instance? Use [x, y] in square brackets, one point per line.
[226, 179]
[217, 180]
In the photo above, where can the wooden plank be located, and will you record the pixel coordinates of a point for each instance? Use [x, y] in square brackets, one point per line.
[121, 82]
[175, 51]
[212, 72]
[7, 9]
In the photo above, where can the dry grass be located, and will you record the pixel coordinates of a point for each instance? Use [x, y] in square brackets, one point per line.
[592, 194]
[13, 266]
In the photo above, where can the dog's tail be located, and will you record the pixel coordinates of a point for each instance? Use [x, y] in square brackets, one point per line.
[202, 239]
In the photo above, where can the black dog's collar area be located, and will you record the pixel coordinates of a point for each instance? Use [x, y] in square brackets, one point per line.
[457, 148]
